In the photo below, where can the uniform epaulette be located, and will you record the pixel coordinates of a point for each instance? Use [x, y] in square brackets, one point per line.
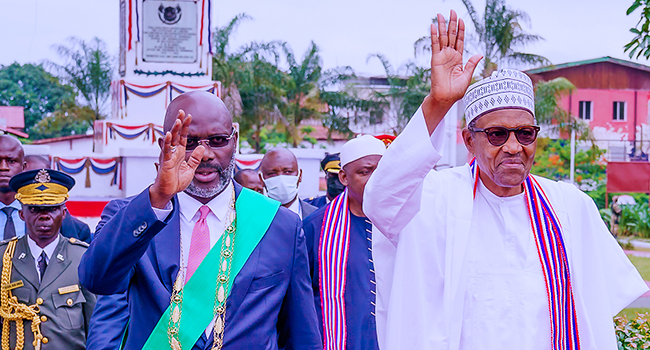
[78, 242]
[7, 240]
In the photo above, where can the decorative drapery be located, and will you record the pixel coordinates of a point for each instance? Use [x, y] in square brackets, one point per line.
[100, 166]
[146, 91]
[130, 132]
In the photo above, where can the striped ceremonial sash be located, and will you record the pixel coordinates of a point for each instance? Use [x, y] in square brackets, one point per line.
[552, 256]
[333, 260]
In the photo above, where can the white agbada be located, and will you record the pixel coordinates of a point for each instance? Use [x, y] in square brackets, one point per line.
[458, 273]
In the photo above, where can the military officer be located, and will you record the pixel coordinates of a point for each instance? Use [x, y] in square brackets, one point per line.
[331, 164]
[42, 303]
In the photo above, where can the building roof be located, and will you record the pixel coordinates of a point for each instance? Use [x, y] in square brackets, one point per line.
[15, 132]
[320, 133]
[61, 138]
[12, 116]
[608, 59]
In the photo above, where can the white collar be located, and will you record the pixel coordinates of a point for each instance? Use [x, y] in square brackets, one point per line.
[189, 207]
[15, 204]
[36, 250]
[295, 207]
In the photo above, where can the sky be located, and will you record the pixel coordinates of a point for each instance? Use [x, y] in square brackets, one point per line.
[346, 31]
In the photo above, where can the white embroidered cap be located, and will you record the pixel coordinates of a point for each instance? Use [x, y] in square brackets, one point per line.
[359, 147]
[505, 88]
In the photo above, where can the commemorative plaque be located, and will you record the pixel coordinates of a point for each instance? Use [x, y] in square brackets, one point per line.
[169, 31]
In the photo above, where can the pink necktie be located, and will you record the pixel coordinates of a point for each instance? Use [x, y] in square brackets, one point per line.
[200, 244]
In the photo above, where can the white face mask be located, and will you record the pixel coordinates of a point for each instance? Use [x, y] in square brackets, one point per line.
[282, 188]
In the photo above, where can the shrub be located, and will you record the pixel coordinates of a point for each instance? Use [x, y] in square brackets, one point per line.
[634, 334]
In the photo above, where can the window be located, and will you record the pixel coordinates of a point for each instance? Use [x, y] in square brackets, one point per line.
[619, 110]
[584, 110]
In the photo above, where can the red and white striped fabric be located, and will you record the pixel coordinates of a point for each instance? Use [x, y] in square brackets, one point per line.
[333, 260]
[552, 256]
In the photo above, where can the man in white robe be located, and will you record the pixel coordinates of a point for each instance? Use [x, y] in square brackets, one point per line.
[457, 265]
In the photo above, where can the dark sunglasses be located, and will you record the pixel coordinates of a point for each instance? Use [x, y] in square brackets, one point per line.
[499, 135]
[214, 141]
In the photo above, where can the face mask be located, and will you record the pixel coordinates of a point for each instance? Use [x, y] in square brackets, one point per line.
[282, 188]
[334, 186]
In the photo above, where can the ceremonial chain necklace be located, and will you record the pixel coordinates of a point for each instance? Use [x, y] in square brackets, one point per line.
[220, 298]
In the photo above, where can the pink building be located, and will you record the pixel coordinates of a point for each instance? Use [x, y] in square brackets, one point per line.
[612, 96]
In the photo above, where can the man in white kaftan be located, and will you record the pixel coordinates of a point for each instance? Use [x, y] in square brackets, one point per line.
[461, 270]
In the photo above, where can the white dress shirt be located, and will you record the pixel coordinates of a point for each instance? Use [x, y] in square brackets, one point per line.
[36, 252]
[296, 207]
[19, 224]
[189, 210]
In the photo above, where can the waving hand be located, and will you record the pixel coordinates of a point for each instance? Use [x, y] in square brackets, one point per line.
[449, 79]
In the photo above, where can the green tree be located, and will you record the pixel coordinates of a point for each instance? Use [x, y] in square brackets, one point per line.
[640, 44]
[548, 111]
[499, 35]
[35, 89]
[88, 67]
[301, 91]
[70, 119]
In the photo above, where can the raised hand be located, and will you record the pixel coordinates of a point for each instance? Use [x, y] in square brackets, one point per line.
[175, 172]
[449, 80]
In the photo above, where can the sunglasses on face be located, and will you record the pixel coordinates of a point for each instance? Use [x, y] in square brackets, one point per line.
[214, 141]
[499, 135]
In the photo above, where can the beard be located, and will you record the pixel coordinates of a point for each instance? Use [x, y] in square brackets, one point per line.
[225, 175]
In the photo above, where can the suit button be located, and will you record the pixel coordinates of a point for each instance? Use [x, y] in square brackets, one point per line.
[39, 301]
[45, 340]
[43, 318]
[140, 229]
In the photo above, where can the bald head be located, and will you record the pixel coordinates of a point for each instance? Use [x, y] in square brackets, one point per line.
[12, 162]
[198, 104]
[279, 161]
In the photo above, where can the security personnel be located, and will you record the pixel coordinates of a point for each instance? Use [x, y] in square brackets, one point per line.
[42, 303]
[331, 164]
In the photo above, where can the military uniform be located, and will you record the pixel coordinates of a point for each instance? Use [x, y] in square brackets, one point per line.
[45, 308]
[65, 306]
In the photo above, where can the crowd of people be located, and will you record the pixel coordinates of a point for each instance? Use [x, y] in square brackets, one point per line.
[397, 255]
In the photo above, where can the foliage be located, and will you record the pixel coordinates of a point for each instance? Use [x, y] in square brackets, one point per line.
[70, 119]
[35, 89]
[634, 334]
[640, 44]
[635, 220]
[405, 93]
[301, 91]
[499, 34]
[88, 68]
[553, 158]
[549, 112]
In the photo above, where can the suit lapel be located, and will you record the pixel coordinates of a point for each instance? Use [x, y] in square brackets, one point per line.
[23, 262]
[59, 262]
[244, 278]
[166, 248]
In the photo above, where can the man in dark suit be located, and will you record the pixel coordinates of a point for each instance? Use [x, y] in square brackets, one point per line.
[281, 177]
[160, 245]
[71, 227]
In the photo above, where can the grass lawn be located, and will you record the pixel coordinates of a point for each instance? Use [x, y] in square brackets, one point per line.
[641, 264]
[631, 313]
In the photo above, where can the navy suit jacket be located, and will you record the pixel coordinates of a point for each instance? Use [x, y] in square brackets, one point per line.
[271, 301]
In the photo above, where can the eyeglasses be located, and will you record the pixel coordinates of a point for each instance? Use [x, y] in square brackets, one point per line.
[499, 135]
[214, 141]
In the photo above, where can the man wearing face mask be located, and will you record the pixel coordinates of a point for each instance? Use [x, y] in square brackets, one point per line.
[331, 164]
[282, 177]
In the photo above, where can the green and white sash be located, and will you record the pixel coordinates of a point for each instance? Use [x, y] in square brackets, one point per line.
[254, 216]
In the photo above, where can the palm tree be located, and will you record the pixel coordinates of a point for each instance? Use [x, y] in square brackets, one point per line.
[302, 91]
[499, 34]
[549, 112]
[88, 68]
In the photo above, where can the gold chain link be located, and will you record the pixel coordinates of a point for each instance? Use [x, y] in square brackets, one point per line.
[13, 311]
